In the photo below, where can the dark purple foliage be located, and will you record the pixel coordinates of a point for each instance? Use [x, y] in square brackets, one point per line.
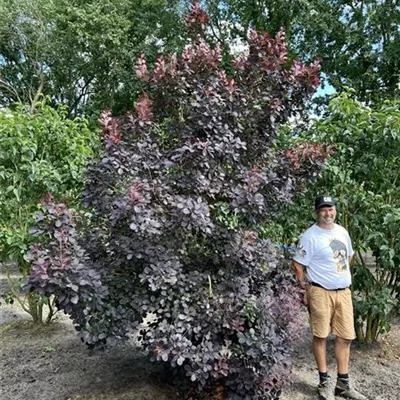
[60, 265]
[176, 198]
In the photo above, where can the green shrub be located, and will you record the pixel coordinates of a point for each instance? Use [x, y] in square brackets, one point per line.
[41, 152]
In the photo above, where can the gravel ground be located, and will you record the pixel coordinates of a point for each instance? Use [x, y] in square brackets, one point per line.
[374, 370]
[52, 364]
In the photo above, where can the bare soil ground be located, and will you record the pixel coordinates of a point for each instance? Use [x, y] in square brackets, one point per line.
[374, 370]
[50, 363]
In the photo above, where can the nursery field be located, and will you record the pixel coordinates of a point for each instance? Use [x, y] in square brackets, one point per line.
[52, 364]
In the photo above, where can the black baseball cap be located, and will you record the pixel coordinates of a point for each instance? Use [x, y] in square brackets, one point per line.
[324, 201]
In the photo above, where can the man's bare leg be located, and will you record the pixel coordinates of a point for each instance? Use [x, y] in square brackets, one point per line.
[343, 387]
[319, 348]
[325, 389]
[342, 354]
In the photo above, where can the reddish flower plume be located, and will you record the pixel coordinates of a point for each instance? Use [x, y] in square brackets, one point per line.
[49, 198]
[160, 68]
[272, 52]
[197, 15]
[110, 126]
[143, 107]
[307, 73]
[134, 193]
[303, 153]
[239, 62]
[201, 56]
[251, 236]
[172, 63]
[141, 68]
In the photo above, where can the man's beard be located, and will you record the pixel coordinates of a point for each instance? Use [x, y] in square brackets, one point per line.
[327, 221]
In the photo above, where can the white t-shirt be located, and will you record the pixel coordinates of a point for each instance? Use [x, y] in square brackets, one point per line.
[325, 253]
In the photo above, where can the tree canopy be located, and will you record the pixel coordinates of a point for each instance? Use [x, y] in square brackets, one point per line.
[81, 53]
[364, 174]
[358, 42]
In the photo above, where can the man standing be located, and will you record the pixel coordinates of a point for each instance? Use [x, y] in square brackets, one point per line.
[325, 250]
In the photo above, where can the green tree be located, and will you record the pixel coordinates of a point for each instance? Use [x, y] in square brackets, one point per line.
[269, 15]
[40, 152]
[81, 53]
[359, 42]
[364, 173]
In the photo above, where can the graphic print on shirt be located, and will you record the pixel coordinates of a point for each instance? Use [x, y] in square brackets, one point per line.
[300, 251]
[339, 254]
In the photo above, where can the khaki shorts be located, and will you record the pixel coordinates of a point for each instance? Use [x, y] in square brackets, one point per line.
[331, 311]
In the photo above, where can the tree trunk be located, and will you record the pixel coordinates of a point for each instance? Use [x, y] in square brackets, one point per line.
[359, 333]
[219, 392]
[368, 330]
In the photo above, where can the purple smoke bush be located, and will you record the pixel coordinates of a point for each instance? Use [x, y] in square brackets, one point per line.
[171, 255]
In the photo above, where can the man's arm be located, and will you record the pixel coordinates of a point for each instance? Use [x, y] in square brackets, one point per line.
[350, 259]
[299, 270]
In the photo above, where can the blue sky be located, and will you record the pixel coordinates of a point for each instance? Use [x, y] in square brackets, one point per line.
[328, 89]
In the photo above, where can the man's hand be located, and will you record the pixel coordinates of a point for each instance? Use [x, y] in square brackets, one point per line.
[299, 270]
[305, 299]
[303, 285]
